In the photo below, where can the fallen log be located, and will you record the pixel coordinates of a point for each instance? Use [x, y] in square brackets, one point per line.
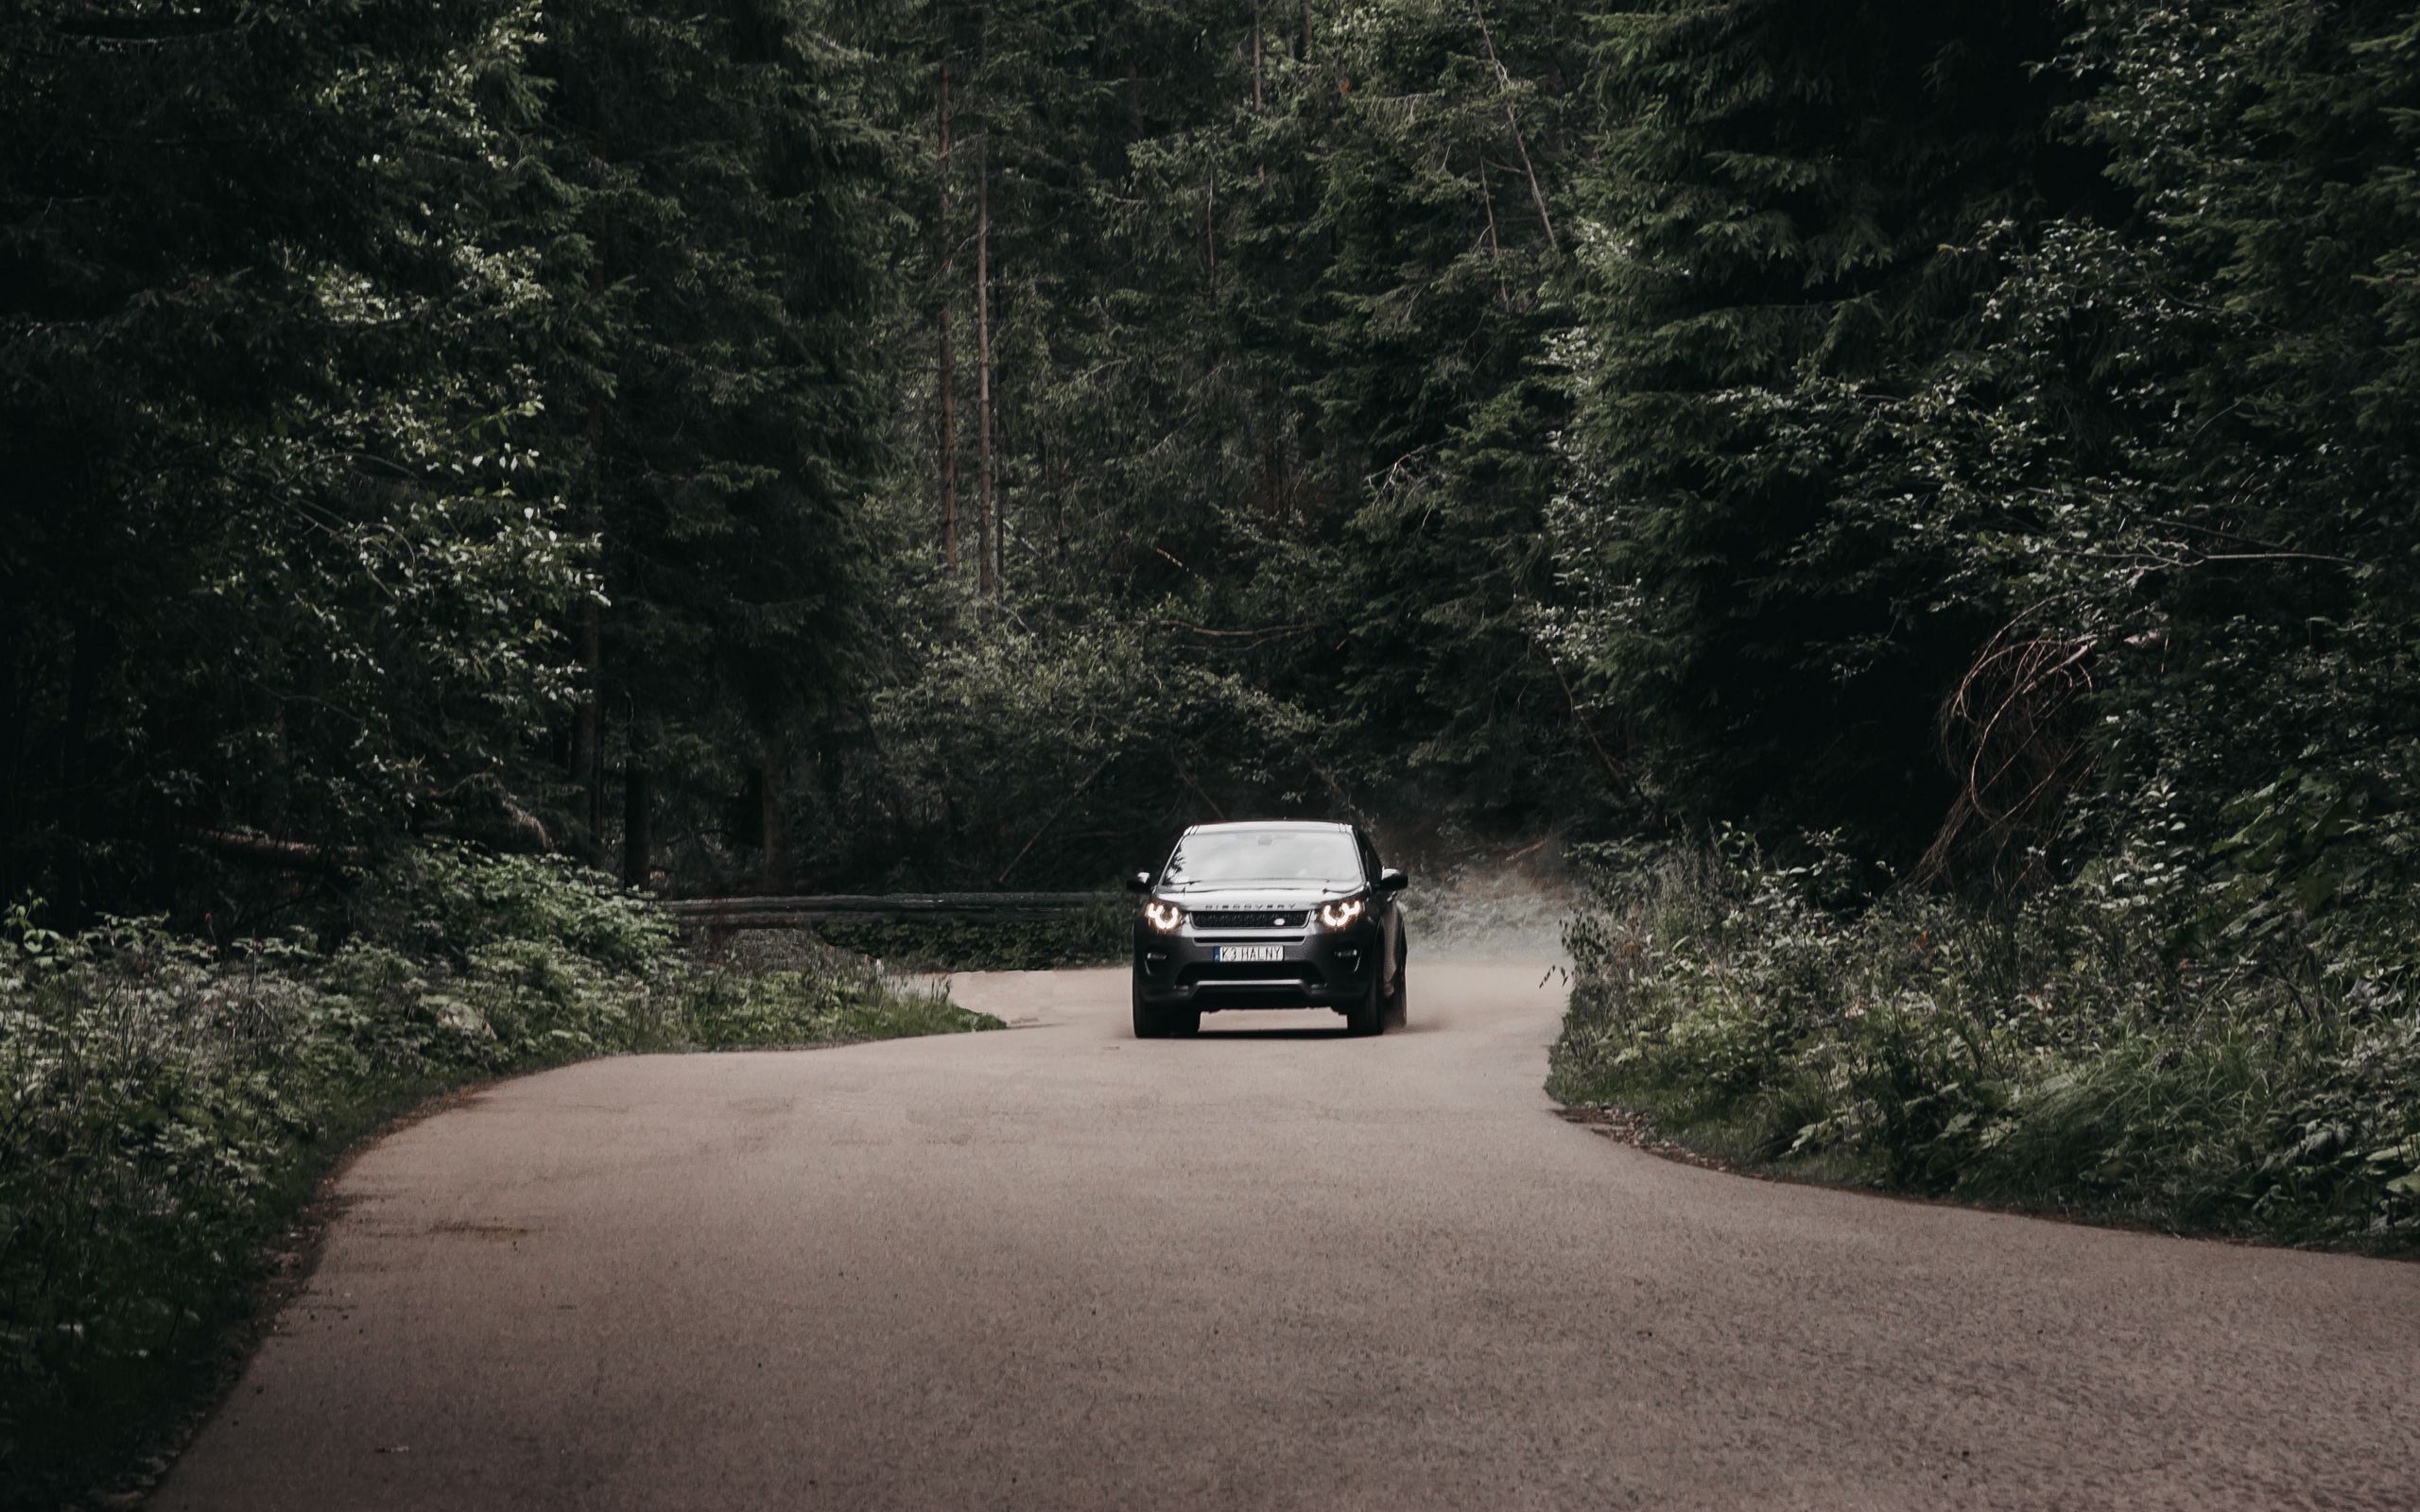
[281, 855]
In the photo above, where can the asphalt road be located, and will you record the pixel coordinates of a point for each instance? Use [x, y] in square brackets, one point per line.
[1057, 1267]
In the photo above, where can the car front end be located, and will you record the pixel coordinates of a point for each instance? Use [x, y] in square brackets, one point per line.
[1201, 950]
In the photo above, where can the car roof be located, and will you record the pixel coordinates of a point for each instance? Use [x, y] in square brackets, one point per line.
[1268, 824]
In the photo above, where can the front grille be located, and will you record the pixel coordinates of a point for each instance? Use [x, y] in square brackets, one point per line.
[1251, 918]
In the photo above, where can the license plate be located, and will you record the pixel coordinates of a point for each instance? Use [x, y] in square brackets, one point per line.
[1251, 953]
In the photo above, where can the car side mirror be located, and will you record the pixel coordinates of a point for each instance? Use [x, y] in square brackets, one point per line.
[1393, 879]
[1140, 881]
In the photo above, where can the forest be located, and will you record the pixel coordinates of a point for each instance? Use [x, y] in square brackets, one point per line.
[770, 444]
[1917, 501]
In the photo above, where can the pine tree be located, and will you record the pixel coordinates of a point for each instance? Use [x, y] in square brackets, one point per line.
[278, 559]
[727, 430]
[1782, 193]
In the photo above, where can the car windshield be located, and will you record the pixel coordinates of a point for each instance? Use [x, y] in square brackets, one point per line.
[1210, 856]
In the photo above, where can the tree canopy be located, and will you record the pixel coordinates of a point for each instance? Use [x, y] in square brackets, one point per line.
[780, 442]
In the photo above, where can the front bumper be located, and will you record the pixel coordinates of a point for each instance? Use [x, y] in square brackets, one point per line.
[1318, 968]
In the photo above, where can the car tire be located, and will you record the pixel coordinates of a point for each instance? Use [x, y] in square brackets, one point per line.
[1164, 1023]
[1369, 1016]
[1399, 1001]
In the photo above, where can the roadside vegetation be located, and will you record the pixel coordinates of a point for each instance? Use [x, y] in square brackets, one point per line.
[2035, 585]
[168, 1106]
[1094, 935]
[2091, 1049]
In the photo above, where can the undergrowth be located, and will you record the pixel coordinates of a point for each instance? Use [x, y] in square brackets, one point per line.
[169, 1107]
[2086, 1050]
[1097, 936]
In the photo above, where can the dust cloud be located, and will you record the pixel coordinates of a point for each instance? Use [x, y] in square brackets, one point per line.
[1487, 911]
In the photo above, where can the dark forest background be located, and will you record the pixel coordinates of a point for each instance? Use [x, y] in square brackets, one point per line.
[1919, 501]
[799, 443]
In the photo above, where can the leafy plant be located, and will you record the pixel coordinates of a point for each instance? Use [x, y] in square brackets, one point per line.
[2053, 1052]
[168, 1105]
[1098, 935]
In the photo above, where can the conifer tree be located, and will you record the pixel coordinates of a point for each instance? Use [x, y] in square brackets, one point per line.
[1782, 191]
[725, 432]
[278, 562]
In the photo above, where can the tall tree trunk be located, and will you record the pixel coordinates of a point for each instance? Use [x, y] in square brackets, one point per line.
[587, 743]
[1258, 6]
[774, 872]
[1495, 248]
[1272, 495]
[1259, 103]
[988, 543]
[15, 725]
[75, 785]
[831, 771]
[638, 839]
[587, 763]
[948, 353]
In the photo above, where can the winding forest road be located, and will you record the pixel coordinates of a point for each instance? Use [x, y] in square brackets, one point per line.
[1057, 1267]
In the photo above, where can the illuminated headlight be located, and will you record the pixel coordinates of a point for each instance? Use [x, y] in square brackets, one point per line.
[1341, 912]
[1164, 916]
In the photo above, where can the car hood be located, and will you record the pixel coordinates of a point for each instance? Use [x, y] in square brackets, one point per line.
[1256, 894]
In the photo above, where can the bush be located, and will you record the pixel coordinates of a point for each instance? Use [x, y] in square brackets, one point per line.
[2062, 1052]
[448, 901]
[169, 1107]
[1096, 936]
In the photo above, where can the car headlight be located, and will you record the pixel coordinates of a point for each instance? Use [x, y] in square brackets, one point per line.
[1343, 912]
[1164, 916]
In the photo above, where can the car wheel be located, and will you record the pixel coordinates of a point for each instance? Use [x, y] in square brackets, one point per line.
[1182, 1023]
[1369, 1016]
[1399, 1001]
[1148, 1024]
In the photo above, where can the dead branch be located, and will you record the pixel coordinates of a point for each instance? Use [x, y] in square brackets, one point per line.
[2012, 729]
[1504, 87]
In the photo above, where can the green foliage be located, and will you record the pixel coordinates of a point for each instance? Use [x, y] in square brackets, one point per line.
[168, 1106]
[564, 477]
[391, 394]
[2090, 466]
[445, 899]
[2071, 450]
[1098, 936]
[789, 1007]
[2054, 1054]
[277, 553]
[1024, 756]
[720, 245]
[1772, 252]
[1270, 295]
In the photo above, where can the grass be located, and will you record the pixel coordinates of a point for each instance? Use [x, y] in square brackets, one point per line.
[169, 1108]
[2060, 1053]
